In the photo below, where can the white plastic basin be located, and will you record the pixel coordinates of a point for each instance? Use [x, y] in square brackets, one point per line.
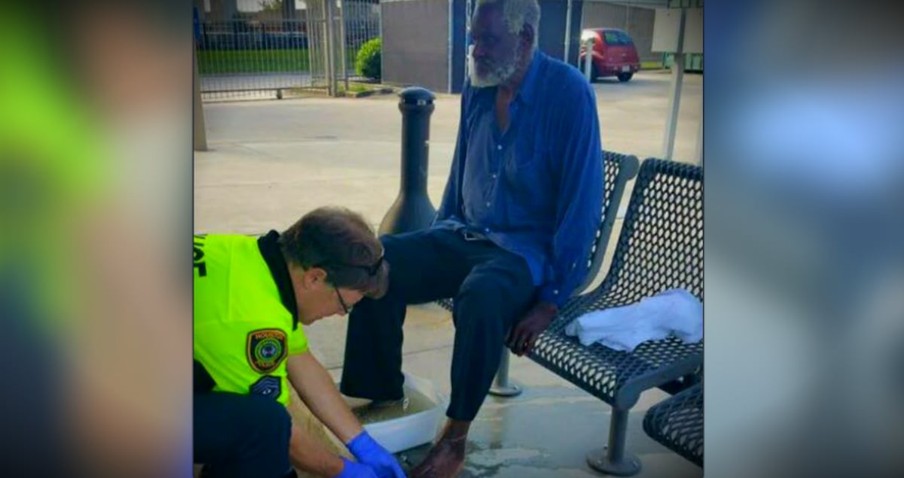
[412, 430]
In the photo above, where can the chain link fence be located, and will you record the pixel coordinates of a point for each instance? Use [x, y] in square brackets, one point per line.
[272, 53]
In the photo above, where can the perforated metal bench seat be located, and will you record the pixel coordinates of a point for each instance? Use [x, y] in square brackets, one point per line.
[660, 247]
[615, 377]
[677, 423]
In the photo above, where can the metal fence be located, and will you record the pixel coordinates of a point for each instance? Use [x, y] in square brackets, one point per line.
[258, 56]
[361, 23]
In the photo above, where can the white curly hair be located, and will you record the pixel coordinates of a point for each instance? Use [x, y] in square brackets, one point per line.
[517, 13]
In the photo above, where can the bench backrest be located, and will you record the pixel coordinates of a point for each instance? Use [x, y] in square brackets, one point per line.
[618, 169]
[661, 242]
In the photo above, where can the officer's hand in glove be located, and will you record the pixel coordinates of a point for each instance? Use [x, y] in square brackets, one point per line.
[355, 470]
[369, 452]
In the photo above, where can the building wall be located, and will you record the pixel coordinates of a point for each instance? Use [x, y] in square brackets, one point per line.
[552, 28]
[553, 20]
[637, 21]
[416, 43]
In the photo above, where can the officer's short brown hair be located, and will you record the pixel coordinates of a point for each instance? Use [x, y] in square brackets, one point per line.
[340, 242]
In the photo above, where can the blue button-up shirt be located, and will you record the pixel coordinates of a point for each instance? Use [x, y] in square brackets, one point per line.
[537, 188]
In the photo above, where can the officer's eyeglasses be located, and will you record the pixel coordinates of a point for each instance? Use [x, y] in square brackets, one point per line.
[345, 308]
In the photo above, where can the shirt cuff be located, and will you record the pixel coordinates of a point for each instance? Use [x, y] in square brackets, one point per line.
[551, 293]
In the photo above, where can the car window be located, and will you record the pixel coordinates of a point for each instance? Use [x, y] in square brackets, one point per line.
[611, 38]
[617, 38]
[625, 39]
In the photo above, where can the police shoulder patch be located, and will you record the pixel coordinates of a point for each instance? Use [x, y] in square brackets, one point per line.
[266, 349]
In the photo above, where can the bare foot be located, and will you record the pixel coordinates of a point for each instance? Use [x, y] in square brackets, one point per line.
[445, 459]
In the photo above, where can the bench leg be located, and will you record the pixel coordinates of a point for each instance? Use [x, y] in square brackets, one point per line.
[612, 459]
[501, 385]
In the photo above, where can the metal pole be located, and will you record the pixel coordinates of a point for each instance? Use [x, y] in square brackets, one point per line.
[412, 209]
[617, 431]
[613, 460]
[328, 27]
[468, 44]
[501, 386]
[380, 35]
[290, 25]
[342, 41]
[668, 139]
[699, 153]
[200, 133]
[450, 45]
[567, 33]
[323, 44]
[588, 58]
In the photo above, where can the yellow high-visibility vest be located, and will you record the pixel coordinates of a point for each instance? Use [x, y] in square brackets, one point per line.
[245, 322]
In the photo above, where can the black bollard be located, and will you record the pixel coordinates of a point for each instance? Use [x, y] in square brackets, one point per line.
[412, 210]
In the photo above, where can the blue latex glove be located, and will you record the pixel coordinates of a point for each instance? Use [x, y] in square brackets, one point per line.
[355, 470]
[369, 452]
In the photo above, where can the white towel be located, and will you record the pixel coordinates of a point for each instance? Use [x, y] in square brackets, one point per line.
[675, 311]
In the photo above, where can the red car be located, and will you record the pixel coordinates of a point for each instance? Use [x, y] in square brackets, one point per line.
[614, 53]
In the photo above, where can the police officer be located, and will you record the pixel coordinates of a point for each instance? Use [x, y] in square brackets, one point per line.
[252, 296]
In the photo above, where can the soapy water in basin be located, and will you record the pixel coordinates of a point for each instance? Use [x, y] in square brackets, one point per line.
[416, 402]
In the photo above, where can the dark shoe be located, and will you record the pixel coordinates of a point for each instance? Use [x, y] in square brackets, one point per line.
[383, 404]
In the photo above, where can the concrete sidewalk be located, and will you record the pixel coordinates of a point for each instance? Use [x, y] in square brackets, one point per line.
[272, 161]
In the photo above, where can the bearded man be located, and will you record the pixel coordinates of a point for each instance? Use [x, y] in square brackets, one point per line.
[519, 213]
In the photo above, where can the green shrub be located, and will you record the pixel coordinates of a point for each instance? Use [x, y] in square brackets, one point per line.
[367, 64]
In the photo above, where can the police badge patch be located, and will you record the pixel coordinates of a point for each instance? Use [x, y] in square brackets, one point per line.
[266, 349]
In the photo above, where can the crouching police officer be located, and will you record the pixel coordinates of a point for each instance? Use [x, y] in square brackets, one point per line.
[250, 295]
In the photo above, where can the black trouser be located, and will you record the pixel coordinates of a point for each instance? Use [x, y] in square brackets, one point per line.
[241, 436]
[492, 288]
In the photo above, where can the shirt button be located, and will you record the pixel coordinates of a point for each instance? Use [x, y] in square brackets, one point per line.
[555, 292]
[494, 175]
[488, 203]
[486, 230]
[499, 147]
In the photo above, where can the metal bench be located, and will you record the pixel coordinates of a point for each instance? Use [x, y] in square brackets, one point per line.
[677, 423]
[660, 247]
[618, 169]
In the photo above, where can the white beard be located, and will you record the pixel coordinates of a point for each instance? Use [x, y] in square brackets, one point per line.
[496, 76]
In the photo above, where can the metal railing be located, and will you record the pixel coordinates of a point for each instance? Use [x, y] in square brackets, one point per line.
[271, 57]
[361, 23]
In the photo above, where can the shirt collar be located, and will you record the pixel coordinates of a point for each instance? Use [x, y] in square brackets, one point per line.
[273, 256]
